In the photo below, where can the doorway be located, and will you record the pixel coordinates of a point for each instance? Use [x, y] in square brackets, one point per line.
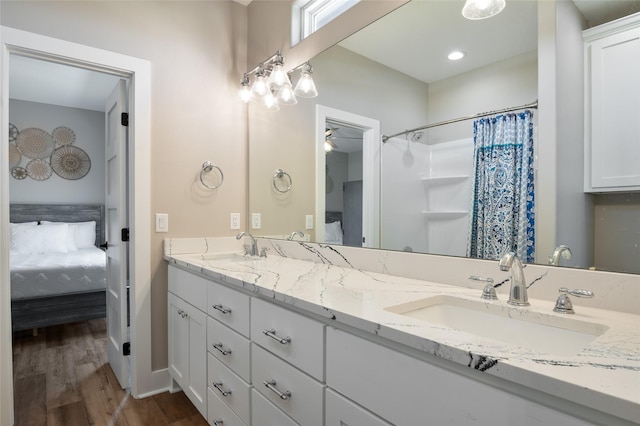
[143, 380]
[368, 130]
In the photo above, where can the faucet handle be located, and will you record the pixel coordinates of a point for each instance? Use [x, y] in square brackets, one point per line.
[488, 292]
[564, 305]
[263, 251]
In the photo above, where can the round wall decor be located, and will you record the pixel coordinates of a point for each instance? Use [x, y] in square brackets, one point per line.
[13, 132]
[70, 162]
[19, 173]
[14, 155]
[38, 169]
[63, 136]
[35, 143]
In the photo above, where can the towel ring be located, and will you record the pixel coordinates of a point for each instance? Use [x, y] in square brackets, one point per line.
[207, 167]
[279, 175]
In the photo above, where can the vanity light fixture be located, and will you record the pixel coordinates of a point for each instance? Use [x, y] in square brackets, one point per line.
[481, 9]
[273, 86]
[456, 55]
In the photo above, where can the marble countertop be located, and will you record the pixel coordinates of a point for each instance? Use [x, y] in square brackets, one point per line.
[605, 375]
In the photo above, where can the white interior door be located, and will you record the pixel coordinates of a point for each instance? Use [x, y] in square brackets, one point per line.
[116, 220]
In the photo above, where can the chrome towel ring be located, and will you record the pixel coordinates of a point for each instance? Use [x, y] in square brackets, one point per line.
[280, 174]
[207, 167]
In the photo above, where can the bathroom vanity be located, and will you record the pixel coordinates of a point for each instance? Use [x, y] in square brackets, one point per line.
[311, 335]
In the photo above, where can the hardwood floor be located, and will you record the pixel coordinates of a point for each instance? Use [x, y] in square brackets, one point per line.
[62, 378]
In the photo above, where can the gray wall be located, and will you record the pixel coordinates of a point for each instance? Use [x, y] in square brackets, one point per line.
[89, 129]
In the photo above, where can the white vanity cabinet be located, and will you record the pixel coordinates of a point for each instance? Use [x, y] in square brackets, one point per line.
[612, 106]
[187, 336]
[405, 390]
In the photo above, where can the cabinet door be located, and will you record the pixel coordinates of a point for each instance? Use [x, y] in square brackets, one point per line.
[197, 332]
[614, 67]
[178, 341]
[341, 412]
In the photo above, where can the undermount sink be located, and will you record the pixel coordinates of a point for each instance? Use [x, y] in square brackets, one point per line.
[229, 257]
[547, 333]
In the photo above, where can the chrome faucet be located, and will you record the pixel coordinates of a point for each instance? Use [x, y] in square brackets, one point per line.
[561, 250]
[518, 292]
[294, 234]
[253, 248]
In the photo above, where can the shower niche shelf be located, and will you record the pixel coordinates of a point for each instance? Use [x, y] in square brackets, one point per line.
[444, 215]
[443, 180]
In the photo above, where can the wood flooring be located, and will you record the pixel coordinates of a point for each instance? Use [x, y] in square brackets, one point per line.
[62, 378]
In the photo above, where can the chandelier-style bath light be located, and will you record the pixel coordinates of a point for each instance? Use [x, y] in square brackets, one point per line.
[273, 86]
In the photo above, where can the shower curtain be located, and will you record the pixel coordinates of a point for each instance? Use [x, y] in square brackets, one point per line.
[503, 200]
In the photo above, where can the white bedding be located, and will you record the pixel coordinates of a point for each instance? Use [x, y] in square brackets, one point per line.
[48, 274]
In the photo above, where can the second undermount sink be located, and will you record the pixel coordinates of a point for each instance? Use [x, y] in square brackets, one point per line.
[228, 257]
[547, 333]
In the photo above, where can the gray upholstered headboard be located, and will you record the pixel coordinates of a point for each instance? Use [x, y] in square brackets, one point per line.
[61, 213]
[331, 216]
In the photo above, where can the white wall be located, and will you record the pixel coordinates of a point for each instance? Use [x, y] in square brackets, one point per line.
[88, 127]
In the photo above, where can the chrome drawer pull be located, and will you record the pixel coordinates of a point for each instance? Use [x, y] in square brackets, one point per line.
[221, 309]
[221, 348]
[218, 422]
[272, 333]
[271, 384]
[218, 385]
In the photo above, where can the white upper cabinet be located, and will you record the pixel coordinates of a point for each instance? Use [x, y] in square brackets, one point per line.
[612, 106]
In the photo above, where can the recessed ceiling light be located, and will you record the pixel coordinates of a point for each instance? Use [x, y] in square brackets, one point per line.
[456, 55]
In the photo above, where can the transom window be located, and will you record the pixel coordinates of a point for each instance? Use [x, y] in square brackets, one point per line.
[308, 16]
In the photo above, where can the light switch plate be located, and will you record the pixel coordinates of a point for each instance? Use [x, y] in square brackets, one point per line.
[162, 222]
[308, 221]
[256, 221]
[235, 221]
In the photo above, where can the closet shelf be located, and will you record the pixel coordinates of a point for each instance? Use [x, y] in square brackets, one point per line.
[444, 215]
[443, 180]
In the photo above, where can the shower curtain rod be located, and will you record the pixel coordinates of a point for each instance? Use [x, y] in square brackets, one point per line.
[455, 120]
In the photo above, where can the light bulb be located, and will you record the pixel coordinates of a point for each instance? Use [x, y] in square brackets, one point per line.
[245, 93]
[260, 87]
[270, 101]
[285, 95]
[327, 147]
[278, 77]
[306, 88]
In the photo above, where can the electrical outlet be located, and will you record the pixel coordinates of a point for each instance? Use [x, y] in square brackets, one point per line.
[235, 220]
[256, 221]
[308, 221]
[162, 222]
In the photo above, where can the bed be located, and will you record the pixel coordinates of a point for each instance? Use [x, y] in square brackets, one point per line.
[333, 227]
[58, 271]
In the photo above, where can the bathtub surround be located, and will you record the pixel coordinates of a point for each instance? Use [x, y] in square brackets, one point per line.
[354, 286]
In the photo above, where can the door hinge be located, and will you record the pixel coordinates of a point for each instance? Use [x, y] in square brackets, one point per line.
[126, 348]
[124, 119]
[124, 234]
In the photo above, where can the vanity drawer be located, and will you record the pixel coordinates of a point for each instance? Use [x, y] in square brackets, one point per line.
[297, 339]
[340, 412]
[229, 347]
[229, 306]
[219, 413]
[264, 413]
[230, 388]
[305, 402]
[189, 287]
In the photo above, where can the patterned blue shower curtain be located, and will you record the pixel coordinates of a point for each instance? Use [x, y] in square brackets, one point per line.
[503, 201]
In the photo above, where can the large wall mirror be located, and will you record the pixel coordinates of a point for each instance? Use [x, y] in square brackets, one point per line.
[413, 192]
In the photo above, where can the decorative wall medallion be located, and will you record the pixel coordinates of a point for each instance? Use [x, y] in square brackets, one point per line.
[13, 132]
[14, 155]
[35, 143]
[63, 136]
[38, 169]
[19, 173]
[70, 162]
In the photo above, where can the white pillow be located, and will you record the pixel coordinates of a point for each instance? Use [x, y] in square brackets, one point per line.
[39, 239]
[333, 232]
[80, 235]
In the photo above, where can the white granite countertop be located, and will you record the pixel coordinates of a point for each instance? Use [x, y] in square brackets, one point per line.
[604, 376]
